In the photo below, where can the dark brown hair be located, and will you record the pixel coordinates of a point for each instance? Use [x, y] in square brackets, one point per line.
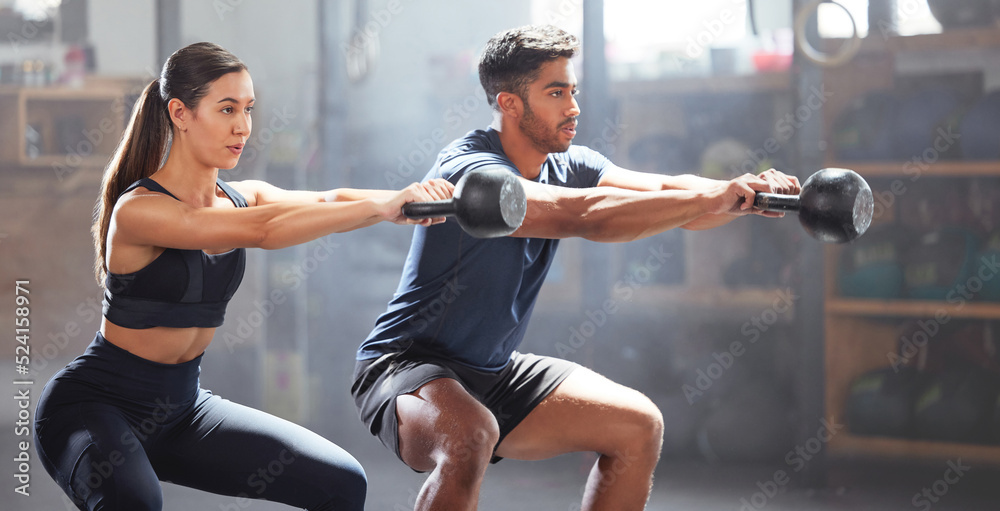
[512, 59]
[186, 75]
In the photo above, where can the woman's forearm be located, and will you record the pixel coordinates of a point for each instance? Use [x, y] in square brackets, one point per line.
[354, 194]
[292, 224]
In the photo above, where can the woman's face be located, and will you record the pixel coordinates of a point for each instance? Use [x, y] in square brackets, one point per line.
[221, 123]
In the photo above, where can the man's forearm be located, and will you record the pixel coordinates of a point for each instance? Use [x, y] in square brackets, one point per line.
[635, 215]
[689, 182]
[608, 214]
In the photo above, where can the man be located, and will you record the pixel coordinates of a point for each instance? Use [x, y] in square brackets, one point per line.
[439, 381]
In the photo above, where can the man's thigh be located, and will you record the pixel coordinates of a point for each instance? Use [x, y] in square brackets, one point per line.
[586, 412]
[439, 419]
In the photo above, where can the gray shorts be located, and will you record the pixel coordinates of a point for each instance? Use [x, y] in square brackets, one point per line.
[510, 393]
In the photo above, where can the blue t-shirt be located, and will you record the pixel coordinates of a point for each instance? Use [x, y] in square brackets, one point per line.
[469, 299]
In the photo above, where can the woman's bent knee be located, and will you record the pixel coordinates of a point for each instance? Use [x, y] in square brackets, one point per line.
[345, 486]
[114, 495]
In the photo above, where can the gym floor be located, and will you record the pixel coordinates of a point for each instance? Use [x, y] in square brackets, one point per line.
[556, 485]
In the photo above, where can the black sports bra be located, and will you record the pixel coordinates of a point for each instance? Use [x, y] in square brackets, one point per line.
[180, 288]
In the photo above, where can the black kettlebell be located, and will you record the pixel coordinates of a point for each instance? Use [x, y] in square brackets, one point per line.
[488, 203]
[835, 205]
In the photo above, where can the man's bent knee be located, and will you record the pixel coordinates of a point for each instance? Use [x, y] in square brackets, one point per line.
[645, 431]
[471, 443]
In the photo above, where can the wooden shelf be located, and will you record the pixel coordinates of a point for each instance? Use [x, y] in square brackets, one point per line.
[912, 308]
[762, 82]
[890, 169]
[846, 445]
[73, 127]
[955, 39]
[949, 40]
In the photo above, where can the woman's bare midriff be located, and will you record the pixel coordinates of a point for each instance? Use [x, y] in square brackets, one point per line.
[159, 344]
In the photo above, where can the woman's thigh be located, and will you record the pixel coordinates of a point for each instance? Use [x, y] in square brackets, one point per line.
[91, 452]
[235, 450]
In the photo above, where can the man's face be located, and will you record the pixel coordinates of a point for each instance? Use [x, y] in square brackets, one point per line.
[550, 109]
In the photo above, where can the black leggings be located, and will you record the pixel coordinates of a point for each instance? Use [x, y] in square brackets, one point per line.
[111, 425]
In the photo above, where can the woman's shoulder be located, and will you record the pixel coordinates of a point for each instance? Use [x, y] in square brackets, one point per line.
[247, 189]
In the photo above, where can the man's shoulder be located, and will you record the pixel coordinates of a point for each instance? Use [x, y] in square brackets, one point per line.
[482, 140]
[476, 149]
[579, 157]
[578, 167]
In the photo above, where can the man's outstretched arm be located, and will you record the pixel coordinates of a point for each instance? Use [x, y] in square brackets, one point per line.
[613, 214]
[643, 181]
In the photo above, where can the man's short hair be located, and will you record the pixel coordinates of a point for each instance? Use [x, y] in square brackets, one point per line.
[513, 59]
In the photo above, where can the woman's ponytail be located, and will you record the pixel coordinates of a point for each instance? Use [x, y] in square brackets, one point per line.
[138, 155]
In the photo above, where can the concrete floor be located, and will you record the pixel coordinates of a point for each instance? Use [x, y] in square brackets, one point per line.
[556, 485]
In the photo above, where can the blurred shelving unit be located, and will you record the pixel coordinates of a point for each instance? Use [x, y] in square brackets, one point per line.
[910, 308]
[954, 39]
[859, 339]
[53, 126]
[943, 169]
[916, 450]
[860, 334]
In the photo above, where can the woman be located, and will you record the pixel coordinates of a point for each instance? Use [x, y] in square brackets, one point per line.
[170, 243]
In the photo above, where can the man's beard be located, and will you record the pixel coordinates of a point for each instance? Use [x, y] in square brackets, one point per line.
[542, 137]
